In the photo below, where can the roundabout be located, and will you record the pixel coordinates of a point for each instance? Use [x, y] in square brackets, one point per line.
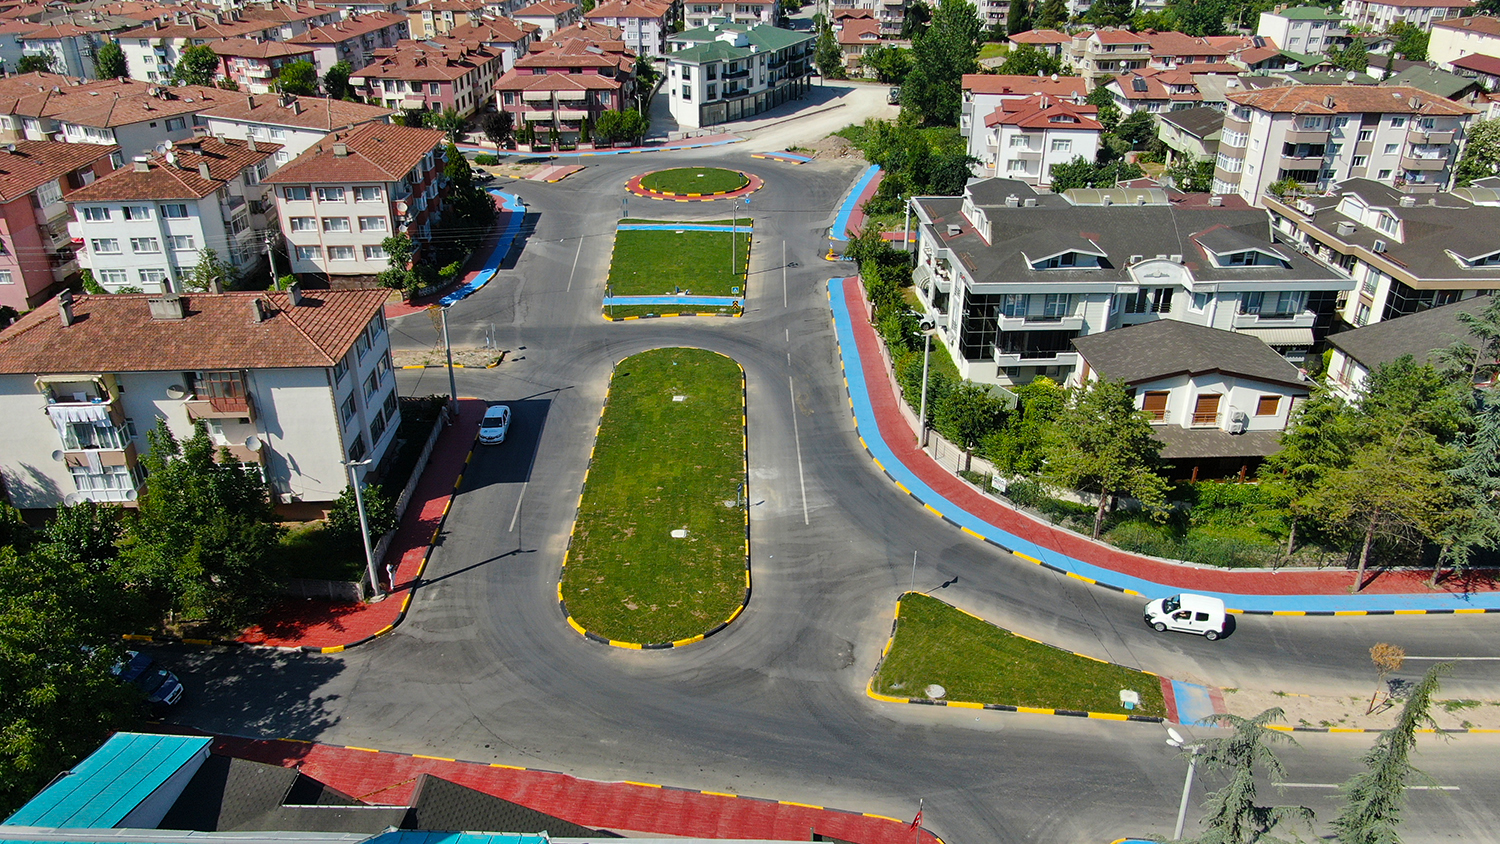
[694, 184]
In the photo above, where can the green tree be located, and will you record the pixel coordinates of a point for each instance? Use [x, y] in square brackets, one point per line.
[891, 64]
[208, 270]
[970, 413]
[1029, 60]
[448, 121]
[1109, 113]
[646, 73]
[1110, 12]
[380, 515]
[198, 65]
[1231, 814]
[828, 57]
[1353, 57]
[1481, 157]
[1018, 17]
[497, 127]
[918, 17]
[1198, 18]
[336, 81]
[1017, 447]
[473, 207]
[1051, 14]
[1082, 173]
[634, 125]
[1375, 797]
[36, 63]
[940, 57]
[1136, 129]
[109, 61]
[608, 127]
[299, 78]
[1192, 175]
[1101, 444]
[1318, 440]
[1411, 41]
[1475, 525]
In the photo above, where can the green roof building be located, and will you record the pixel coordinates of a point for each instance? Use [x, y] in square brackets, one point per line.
[727, 71]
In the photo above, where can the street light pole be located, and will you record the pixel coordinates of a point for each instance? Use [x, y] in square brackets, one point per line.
[906, 228]
[364, 527]
[452, 384]
[922, 413]
[1187, 783]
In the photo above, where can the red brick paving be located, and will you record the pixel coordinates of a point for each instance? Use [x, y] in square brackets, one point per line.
[472, 268]
[857, 216]
[389, 778]
[901, 439]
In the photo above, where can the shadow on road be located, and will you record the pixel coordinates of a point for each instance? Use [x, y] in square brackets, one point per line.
[252, 692]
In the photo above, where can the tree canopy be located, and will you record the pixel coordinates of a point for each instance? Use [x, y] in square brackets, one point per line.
[336, 81]
[299, 78]
[1481, 158]
[1030, 60]
[198, 65]
[931, 94]
[109, 61]
[1099, 443]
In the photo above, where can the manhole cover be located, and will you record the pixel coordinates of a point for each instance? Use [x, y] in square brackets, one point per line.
[679, 398]
[680, 533]
[936, 692]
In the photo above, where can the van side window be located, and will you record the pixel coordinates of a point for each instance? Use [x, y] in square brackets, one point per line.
[1202, 616]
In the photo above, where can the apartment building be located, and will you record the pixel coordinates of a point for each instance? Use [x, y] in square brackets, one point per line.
[1050, 41]
[727, 72]
[151, 51]
[1102, 54]
[983, 93]
[295, 123]
[548, 16]
[1405, 253]
[1379, 15]
[132, 115]
[1303, 29]
[1155, 91]
[1355, 354]
[1174, 50]
[145, 226]
[255, 65]
[294, 383]
[643, 23]
[432, 18]
[1024, 139]
[36, 252]
[501, 35]
[70, 46]
[1012, 276]
[1451, 40]
[353, 39]
[855, 36]
[433, 75]
[697, 13]
[1321, 134]
[1191, 132]
[341, 198]
[566, 81]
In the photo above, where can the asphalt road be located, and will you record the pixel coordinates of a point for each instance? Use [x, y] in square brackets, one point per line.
[485, 669]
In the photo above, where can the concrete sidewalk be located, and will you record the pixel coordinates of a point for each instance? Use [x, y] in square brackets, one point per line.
[892, 444]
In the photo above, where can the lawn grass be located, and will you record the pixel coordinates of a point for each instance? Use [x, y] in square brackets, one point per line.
[660, 465]
[307, 551]
[993, 50]
[650, 263]
[621, 311]
[978, 662]
[700, 180]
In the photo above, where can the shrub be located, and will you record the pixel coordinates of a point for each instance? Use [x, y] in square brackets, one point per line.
[380, 512]
[486, 160]
[450, 272]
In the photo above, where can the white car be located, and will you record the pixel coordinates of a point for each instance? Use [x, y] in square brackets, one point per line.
[495, 425]
[1187, 613]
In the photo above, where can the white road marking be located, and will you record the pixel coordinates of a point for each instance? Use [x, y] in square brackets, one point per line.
[517, 514]
[783, 274]
[1336, 785]
[797, 438]
[575, 266]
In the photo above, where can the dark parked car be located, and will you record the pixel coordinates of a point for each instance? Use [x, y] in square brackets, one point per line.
[160, 686]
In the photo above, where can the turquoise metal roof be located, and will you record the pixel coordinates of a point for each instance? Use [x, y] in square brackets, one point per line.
[102, 789]
[406, 836]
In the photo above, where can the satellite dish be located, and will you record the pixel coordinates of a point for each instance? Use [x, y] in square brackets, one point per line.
[176, 391]
[72, 498]
[57, 455]
[1176, 736]
[131, 495]
[252, 442]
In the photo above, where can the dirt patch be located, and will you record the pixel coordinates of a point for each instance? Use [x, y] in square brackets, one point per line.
[468, 357]
[512, 171]
[1303, 710]
[834, 147]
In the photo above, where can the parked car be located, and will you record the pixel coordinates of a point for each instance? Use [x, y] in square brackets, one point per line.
[1187, 613]
[495, 425]
[893, 96]
[160, 686]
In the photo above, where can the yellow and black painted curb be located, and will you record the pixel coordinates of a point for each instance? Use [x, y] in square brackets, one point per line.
[744, 279]
[1093, 581]
[445, 366]
[665, 788]
[773, 157]
[333, 649]
[666, 194]
[745, 474]
[735, 315]
[998, 707]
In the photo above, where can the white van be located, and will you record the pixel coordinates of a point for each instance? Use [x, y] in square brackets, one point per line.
[1187, 613]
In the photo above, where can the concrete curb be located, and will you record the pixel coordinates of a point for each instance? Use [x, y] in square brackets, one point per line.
[782, 157]
[745, 474]
[1000, 707]
[608, 318]
[744, 278]
[445, 366]
[633, 186]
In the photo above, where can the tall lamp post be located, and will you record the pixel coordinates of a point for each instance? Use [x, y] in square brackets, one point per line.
[364, 525]
[929, 328]
[1193, 750]
[448, 352]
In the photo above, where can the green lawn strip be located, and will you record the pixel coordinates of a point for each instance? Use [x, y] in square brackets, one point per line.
[660, 465]
[699, 180]
[654, 263]
[977, 662]
[308, 551]
[621, 311]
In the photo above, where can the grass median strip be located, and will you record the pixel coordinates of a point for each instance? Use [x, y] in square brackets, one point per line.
[977, 662]
[700, 180]
[654, 263]
[662, 464]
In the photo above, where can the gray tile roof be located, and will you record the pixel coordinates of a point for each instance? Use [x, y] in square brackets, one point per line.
[1418, 335]
[1168, 347]
[1207, 443]
[1199, 122]
[1433, 81]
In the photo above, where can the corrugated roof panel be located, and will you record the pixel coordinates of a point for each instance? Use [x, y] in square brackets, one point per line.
[101, 790]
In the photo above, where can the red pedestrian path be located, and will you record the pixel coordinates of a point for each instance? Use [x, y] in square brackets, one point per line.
[473, 267]
[633, 184]
[901, 439]
[389, 778]
[323, 625]
[857, 216]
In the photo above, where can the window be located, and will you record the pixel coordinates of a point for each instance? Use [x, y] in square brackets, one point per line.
[174, 212]
[297, 194]
[383, 366]
[180, 242]
[434, 87]
[687, 73]
[1384, 174]
[372, 384]
[1062, 145]
[144, 245]
[341, 253]
[377, 427]
[330, 194]
[372, 224]
[136, 212]
[303, 224]
[1390, 149]
[1057, 306]
[176, 124]
[1161, 300]
[116, 277]
[153, 277]
[96, 215]
[1155, 406]
[1312, 123]
[335, 224]
[375, 253]
[1200, 301]
[282, 156]
[687, 92]
[49, 193]
[1268, 405]
[1366, 134]
[1398, 122]
[340, 369]
[1206, 410]
[278, 134]
[357, 450]
[1362, 315]
[5, 277]
[1359, 161]
[346, 410]
[367, 194]
[713, 92]
[361, 344]
[105, 246]
[1019, 142]
[309, 253]
[392, 407]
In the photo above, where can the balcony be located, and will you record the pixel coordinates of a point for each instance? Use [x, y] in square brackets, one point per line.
[1034, 322]
[221, 407]
[1034, 357]
[1419, 136]
[737, 74]
[1268, 319]
[1206, 419]
[1424, 162]
[1306, 136]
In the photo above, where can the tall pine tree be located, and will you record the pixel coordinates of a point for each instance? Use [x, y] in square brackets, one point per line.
[1018, 17]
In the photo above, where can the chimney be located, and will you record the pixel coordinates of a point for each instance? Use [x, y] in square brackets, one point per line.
[296, 106]
[65, 307]
[258, 310]
[216, 285]
[169, 306]
[204, 171]
[250, 144]
[340, 150]
[294, 294]
[142, 163]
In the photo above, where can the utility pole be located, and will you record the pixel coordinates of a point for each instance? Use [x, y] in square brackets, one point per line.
[364, 527]
[448, 351]
[271, 255]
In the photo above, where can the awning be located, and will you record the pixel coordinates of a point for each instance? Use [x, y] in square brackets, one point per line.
[69, 413]
[1281, 336]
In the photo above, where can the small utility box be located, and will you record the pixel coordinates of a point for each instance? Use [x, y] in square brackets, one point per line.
[1129, 700]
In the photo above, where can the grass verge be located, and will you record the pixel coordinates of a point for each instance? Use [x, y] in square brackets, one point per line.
[661, 465]
[978, 662]
[699, 180]
[651, 263]
[619, 312]
[309, 551]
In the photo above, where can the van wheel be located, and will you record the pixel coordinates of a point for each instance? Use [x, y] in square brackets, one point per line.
[1211, 635]
[1160, 628]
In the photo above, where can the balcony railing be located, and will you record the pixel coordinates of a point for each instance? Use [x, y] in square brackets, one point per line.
[1206, 419]
[1039, 322]
[1273, 319]
[1033, 357]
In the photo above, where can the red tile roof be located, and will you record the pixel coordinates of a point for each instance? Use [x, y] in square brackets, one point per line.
[348, 28]
[1483, 24]
[27, 165]
[1179, 44]
[495, 31]
[1041, 36]
[546, 7]
[103, 103]
[1348, 99]
[376, 152]
[439, 58]
[992, 83]
[649, 9]
[176, 174]
[115, 333]
[513, 81]
[1488, 65]
[319, 113]
[1119, 36]
[859, 32]
[248, 49]
[1043, 112]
